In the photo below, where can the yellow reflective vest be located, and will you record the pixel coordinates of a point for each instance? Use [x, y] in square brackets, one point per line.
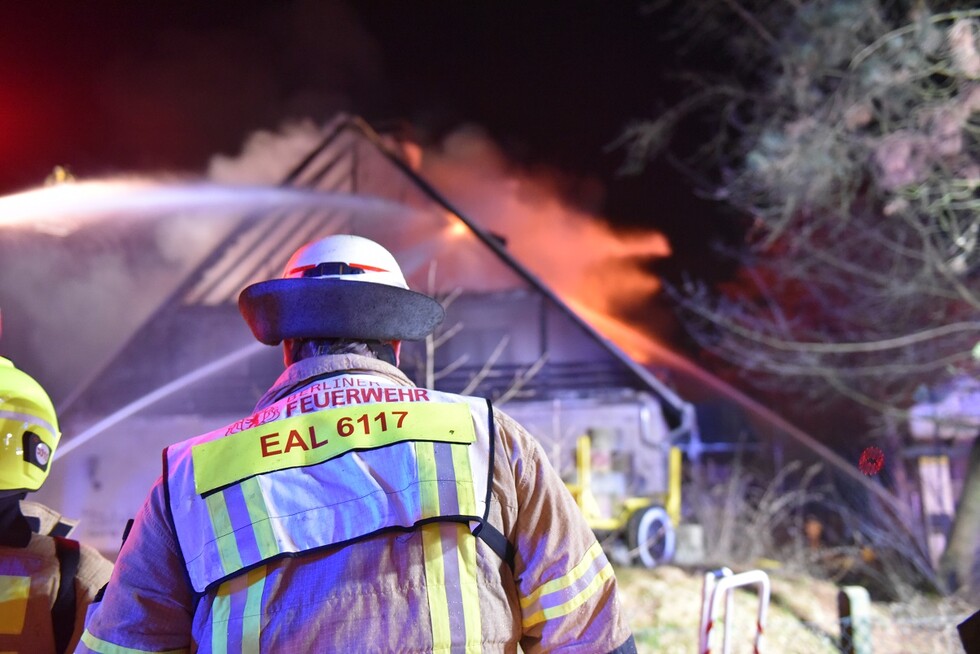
[327, 476]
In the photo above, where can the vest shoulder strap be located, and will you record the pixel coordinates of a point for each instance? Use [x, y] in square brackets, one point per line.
[63, 611]
[497, 542]
[486, 531]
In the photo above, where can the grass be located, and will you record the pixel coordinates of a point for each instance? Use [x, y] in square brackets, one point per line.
[759, 518]
[663, 607]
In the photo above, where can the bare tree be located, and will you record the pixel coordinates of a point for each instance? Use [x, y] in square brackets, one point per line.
[850, 139]
[522, 376]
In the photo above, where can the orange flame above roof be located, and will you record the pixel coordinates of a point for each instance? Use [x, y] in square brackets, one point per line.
[572, 250]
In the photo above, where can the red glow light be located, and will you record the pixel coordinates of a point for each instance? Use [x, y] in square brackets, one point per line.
[871, 461]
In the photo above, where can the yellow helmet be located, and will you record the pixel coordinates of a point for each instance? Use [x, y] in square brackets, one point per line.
[28, 431]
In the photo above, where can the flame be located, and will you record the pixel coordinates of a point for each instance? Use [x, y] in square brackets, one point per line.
[456, 229]
[571, 249]
[648, 351]
[642, 348]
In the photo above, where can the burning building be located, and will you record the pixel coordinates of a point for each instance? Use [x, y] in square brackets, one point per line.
[126, 310]
[184, 362]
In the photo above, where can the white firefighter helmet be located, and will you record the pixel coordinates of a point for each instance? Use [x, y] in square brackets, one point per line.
[341, 286]
[29, 431]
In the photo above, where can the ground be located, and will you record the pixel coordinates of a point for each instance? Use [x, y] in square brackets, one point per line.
[663, 606]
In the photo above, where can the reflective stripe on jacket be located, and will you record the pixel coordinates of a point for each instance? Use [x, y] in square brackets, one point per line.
[30, 578]
[15, 594]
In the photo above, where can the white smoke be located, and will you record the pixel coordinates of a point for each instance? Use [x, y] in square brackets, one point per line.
[267, 156]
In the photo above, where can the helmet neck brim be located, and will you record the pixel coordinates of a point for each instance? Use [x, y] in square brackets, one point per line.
[295, 308]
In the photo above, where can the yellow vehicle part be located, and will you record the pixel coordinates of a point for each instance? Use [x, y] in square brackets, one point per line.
[672, 503]
[586, 501]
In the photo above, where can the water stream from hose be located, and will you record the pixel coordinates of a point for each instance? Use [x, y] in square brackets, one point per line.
[158, 394]
[63, 208]
[67, 210]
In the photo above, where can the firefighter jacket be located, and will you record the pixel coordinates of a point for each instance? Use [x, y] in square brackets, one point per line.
[355, 512]
[45, 589]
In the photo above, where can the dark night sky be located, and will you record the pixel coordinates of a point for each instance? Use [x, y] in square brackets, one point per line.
[111, 87]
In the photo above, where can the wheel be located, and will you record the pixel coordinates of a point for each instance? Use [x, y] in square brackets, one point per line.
[650, 536]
